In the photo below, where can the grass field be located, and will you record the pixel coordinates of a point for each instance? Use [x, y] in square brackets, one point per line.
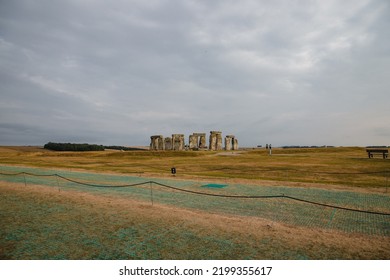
[41, 222]
[326, 166]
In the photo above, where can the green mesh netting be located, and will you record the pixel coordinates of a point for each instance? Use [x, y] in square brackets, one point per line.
[220, 198]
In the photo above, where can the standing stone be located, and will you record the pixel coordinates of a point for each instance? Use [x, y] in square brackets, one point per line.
[178, 142]
[156, 142]
[228, 142]
[168, 143]
[152, 143]
[219, 141]
[197, 141]
[231, 143]
[235, 144]
[215, 140]
[202, 141]
[193, 142]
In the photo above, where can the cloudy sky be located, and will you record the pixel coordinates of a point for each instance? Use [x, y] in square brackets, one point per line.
[117, 72]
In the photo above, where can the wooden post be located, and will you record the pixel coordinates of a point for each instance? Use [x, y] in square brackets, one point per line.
[151, 192]
[25, 182]
[58, 184]
[331, 218]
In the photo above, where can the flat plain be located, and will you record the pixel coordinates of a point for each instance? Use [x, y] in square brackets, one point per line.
[41, 221]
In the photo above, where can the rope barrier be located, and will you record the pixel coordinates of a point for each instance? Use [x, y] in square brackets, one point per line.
[274, 196]
[218, 195]
[337, 207]
[200, 193]
[99, 186]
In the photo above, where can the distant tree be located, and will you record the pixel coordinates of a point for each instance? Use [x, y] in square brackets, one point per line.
[73, 147]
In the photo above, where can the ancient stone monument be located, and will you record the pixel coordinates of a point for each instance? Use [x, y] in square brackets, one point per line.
[235, 143]
[178, 142]
[231, 143]
[193, 142]
[215, 140]
[197, 141]
[156, 142]
[202, 141]
[168, 143]
[228, 143]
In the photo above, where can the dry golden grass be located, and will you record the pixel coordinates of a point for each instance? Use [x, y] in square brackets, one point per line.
[40, 222]
[77, 225]
[310, 167]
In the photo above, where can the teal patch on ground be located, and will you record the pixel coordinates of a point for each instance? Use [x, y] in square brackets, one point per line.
[217, 186]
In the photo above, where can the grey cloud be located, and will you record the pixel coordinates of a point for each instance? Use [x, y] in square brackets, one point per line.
[290, 72]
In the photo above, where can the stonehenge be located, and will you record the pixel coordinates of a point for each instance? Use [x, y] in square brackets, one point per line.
[178, 142]
[231, 143]
[228, 143]
[156, 142]
[215, 141]
[168, 143]
[197, 141]
[193, 142]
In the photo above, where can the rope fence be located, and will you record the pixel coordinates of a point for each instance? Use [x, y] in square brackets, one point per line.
[196, 192]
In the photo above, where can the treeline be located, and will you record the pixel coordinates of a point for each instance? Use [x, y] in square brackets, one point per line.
[305, 147]
[73, 147]
[84, 147]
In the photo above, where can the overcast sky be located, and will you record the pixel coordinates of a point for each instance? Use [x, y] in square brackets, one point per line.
[117, 72]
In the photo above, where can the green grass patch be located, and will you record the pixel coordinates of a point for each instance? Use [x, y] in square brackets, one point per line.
[214, 186]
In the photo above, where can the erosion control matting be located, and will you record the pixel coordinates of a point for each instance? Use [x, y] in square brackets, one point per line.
[309, 207]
